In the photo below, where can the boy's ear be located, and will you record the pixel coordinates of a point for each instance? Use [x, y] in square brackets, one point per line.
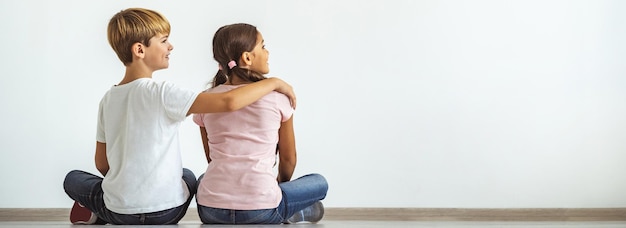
[138, 50]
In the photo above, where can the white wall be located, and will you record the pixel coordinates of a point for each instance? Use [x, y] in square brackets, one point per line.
[470, 104]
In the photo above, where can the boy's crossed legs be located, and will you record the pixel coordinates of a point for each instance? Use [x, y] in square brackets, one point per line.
[86, 189]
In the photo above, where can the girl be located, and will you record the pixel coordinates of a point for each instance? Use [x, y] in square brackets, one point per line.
[239, 185]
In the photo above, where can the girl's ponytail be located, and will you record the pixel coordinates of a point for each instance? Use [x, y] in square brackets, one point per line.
[220, 78]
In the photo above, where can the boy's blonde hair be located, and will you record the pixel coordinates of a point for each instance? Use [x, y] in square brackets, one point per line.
[134, 25]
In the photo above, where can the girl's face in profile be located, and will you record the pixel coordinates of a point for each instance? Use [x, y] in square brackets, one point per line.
[260, 56]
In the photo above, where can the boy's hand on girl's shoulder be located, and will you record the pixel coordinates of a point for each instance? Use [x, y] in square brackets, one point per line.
[284, 88]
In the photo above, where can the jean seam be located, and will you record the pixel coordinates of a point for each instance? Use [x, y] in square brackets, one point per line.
[285, 208]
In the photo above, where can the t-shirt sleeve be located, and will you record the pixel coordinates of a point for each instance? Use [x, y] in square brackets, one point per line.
[284, 106]
[177, 101]
[197, 118]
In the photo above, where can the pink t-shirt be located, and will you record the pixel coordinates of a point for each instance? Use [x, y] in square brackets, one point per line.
[243, 153]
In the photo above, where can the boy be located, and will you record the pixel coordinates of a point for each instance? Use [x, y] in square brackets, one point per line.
[137, 145]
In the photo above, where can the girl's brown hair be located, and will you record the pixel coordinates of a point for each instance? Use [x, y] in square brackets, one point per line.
[229, 43]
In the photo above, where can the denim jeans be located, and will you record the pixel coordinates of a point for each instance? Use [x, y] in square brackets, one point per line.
[86, 189]
[297, 195]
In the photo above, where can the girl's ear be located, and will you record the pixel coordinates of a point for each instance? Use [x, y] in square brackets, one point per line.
[246, 58]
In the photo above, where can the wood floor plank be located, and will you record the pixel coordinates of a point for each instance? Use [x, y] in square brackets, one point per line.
[387, 214]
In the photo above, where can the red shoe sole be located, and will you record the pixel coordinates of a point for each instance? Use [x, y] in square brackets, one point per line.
[82, 215]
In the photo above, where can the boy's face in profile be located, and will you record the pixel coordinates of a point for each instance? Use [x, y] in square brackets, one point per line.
[157, 54]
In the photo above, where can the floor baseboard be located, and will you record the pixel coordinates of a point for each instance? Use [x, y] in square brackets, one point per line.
[387, 214]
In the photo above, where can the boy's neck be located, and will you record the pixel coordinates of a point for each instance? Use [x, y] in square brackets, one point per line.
[134, 72]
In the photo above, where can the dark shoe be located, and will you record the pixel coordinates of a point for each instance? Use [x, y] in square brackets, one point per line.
[81, 215]
[311, 214]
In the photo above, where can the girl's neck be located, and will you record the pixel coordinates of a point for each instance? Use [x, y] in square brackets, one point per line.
[236, 81]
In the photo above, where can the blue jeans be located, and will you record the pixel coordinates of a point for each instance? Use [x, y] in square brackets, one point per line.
[297, 195]
[86, 189]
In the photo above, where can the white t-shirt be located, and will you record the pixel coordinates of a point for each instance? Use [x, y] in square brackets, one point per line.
[243, 151]
[139, 123]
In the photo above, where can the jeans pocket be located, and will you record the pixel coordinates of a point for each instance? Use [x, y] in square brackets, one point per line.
[165, 217]
[209, 215]
[265, 216]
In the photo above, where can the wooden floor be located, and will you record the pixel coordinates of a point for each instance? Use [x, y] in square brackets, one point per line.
[376, 217]
[350, 224]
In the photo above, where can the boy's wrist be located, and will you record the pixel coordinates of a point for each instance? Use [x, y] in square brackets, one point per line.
[277, 83]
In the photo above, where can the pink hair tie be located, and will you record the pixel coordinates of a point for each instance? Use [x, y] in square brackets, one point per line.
[232, 64]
